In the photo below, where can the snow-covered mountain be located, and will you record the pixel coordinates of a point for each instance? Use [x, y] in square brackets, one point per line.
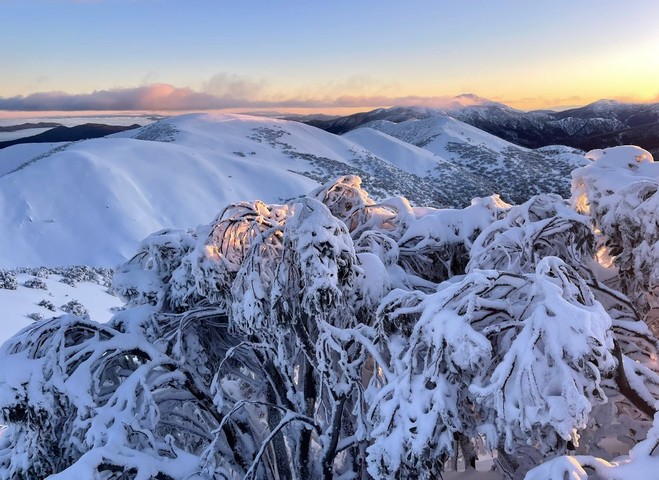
[598, 125]
[515, 172]
[90, 202]
[574, 127]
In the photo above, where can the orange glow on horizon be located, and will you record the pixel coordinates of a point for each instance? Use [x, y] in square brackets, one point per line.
[525, 104]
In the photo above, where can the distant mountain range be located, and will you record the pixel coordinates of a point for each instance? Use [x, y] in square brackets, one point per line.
[601, 124]
[28, 126]
[60, 133]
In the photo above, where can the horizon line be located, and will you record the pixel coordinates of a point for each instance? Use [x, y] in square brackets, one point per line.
[165, 98]
[329, 111]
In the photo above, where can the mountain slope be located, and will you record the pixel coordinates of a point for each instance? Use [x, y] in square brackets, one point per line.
[515, 172]
[447, 183]
[597, 125]
[90, 202]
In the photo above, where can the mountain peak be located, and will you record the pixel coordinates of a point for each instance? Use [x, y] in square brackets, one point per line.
[471, 97]
[604, 102]
[466, 100]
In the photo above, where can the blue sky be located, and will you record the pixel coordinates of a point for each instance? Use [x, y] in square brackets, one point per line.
[349, 54]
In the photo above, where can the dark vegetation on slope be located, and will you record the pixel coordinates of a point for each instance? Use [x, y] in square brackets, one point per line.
[26, 126]
[70, 134]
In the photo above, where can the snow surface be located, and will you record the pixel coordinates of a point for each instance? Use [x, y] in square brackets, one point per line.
[91, 202]
[18, 156]
[17, 304]
[404, 155]
[434, 132]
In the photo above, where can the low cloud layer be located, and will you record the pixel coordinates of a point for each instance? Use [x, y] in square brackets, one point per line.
[220, 93]
[150, 97]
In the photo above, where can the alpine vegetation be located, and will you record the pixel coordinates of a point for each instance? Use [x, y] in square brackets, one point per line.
[334, 336]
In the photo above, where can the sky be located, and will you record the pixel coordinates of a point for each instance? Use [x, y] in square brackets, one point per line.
[323, 56]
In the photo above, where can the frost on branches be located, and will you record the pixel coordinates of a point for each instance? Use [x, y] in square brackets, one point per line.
[337, 337]
[620, 191]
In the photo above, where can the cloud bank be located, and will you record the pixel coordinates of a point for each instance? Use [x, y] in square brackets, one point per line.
[150, 97]
[220, 93]
[231, 92]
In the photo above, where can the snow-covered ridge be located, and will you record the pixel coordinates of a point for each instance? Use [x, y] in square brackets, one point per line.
[90, 202]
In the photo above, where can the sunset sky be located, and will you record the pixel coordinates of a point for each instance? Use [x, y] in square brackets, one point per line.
[323, 56]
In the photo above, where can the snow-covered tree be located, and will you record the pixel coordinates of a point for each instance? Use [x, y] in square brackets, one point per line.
[488, 357]
[620, 191]
[545, 226]
[541, 227]
[144, 278]
[84, 400]
[336, 336]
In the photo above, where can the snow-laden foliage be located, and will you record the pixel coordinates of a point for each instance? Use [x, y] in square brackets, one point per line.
[642, 462]
[83, 399]
[207, 272]
[429, 245]
[335, 336]
[143, 279]
[8, 280]
[489, 355]
[620, 191]
[543, 226]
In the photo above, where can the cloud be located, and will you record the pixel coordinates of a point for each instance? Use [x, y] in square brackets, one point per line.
[222, 91]
[226, 91]
[157, 96]
[537, 102]
[227, 85]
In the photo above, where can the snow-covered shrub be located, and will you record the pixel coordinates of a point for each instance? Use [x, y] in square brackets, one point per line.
[68, 281]
[642, 462]
[429, 245]
[41, 272]
[36, 316]
[541, 227]
[89, 401]
[47, 305]
[545, 226]
[143, 279]
[207, 272]
[35, 283]
[293, 296]
[488, 356]
[620, 191]
[8, 280]
[75, 274]
[74, 307]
